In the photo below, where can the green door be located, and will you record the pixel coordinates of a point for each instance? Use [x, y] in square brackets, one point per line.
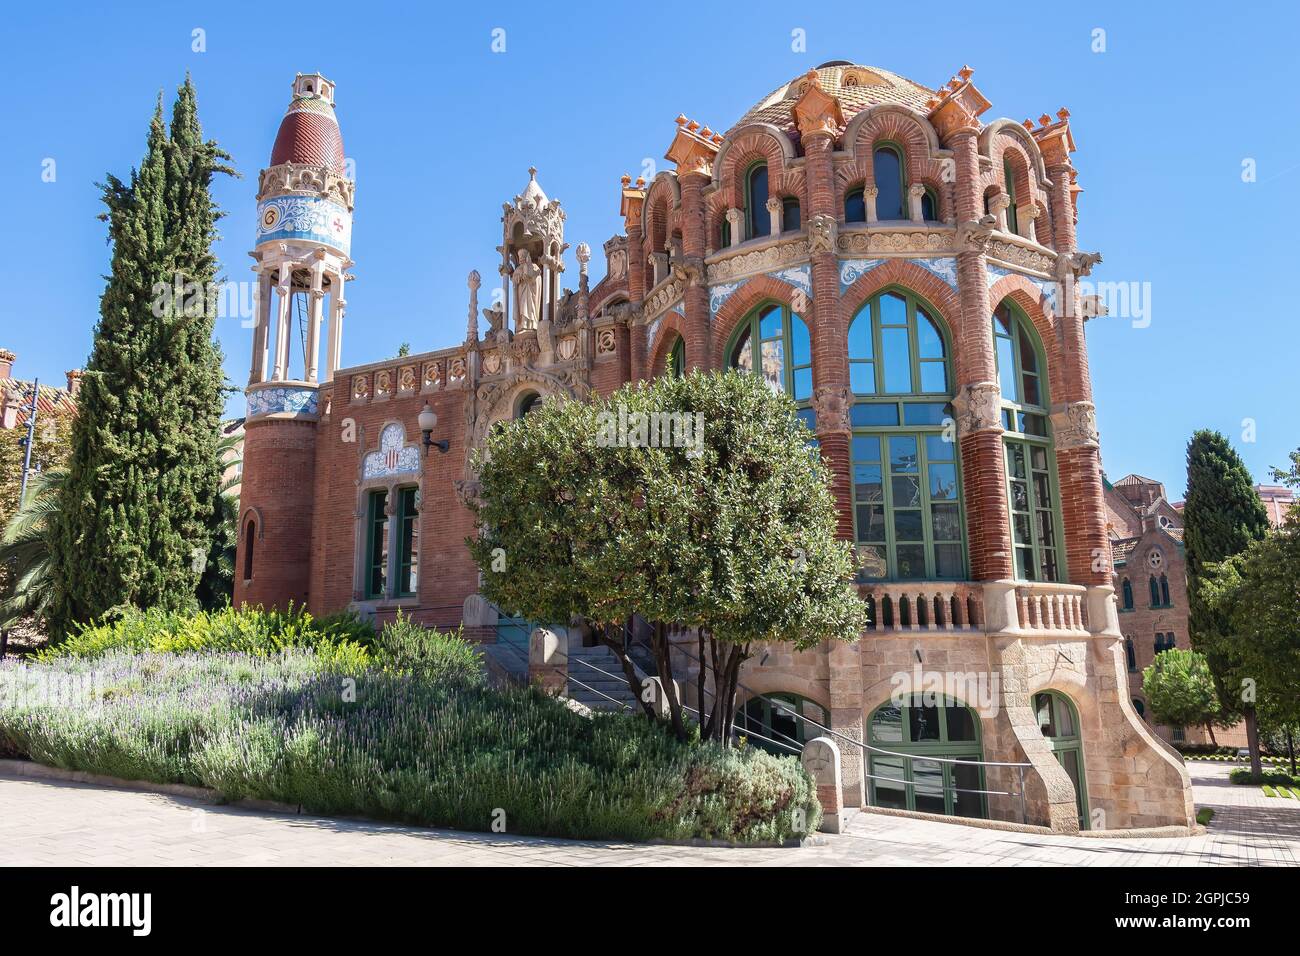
[1059, 722]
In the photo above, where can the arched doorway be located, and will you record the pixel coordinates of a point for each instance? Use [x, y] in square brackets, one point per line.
[1059, 723]
[922, 736]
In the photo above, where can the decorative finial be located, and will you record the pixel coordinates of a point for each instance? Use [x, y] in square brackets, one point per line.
[1044, 120]
[1063, 114]
[626, 180]
[1028, 124]
[584, 256]
[681, 119]
[532, 172]
[475, 280]
[965, 72]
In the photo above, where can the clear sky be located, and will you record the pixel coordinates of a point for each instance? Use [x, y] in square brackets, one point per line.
[442, 131]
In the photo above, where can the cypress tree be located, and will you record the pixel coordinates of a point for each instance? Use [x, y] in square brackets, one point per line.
[1221, 518]
[143, 480]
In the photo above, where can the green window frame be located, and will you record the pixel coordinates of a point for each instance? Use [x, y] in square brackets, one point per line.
[377, 544]
[890, 206]
[1058, 720]
[904, 779]
[677, 359]
[408, 542]
[773, 342]
[1033, 496]
[777, 717]
[908, 513]
[1009, 179]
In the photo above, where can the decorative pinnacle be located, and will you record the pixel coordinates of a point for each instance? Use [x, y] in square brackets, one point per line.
[965, 72]
[626, 180]
[1063, 114]
[475, 280]
[1028, 124]
[1044, 120]
[681, 119]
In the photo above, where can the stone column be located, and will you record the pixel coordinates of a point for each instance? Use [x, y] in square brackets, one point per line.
[846, 717]
[736, 220]
[775, 214]
[636, 290]
[869, 196]
[338, 307]
[261, 342]
[695, 297]
[821, 758]
[915, 193]
[316, 311]
[998, 206]
[548, 660]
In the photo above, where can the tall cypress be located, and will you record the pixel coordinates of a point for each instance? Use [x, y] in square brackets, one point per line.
[1221, 517]
[143, 476]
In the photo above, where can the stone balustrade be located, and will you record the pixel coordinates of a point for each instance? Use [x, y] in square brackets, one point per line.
[1052, 607]
[923, 606]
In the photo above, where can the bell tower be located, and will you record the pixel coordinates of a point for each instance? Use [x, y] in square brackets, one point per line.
[300, 258]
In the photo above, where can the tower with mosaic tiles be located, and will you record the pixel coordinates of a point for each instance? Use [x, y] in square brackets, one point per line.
[300, 258]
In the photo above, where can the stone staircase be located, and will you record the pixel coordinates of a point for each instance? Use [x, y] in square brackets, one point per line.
[615, 686]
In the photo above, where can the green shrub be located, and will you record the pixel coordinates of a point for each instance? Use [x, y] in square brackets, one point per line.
[297, 728]
[405, 647]
[1243, 775]
[248, 630]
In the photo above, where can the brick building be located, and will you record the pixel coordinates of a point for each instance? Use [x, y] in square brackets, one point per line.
[16, 395]
[1146, 540]
[906, 271]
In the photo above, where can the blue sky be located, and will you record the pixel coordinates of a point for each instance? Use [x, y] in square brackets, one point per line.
[442, 131]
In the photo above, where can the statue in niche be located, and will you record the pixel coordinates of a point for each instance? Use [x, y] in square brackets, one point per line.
[527, 279]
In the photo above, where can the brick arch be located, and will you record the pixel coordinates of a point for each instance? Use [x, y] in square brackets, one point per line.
[900, 126]
[1009, 151]
[656, 221]
[936, 293]
[671, 328]
[1034, 304]
[751, 145]
[743, 300]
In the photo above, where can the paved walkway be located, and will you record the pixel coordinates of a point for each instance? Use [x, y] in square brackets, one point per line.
[44, 823]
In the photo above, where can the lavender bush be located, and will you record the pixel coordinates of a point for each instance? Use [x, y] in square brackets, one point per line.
[306, 729]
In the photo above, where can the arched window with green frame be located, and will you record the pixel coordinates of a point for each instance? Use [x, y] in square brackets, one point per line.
[783, 718]
[1059, 723]
[677, 359]
[758, 219]
[1034, 503]
[917, 735]
[773, 343]
[906, 483]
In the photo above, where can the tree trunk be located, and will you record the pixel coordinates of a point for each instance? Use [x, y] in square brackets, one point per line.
[664, 659]
[699, 682]
[616, 644]
[1290, 750]
[1252, 741]
[1209, 727]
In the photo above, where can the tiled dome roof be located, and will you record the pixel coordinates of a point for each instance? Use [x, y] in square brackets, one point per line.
[857, 87]
[309, 133]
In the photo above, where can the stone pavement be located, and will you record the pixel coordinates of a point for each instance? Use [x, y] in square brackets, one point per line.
[49, 823]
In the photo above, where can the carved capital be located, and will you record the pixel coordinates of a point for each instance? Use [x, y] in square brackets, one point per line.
[832, 404]
[974, 235]
[1074, 425]
[978, 407]
[821, 234]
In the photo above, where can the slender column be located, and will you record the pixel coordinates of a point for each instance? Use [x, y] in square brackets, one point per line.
[313, 326]
[283, 288]
[915, 193]
[869, 195]
[260, 338]
[775, 214]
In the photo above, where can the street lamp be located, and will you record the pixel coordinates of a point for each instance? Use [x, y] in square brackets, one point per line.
[428, 422]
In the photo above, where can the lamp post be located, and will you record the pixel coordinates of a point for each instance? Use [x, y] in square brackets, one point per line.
[428, 422]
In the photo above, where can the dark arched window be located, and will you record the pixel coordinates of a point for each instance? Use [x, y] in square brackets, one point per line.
[777, 717]
[1131, 653]
[1155, 591]
[929, 206]
[1140, 708]
[1127, 589]
[760, 221]
[677, 359]
[1059, 722]
[249, 537]
[887, 164]
[943, 729]
[527, 402]
[1009, 178]
[855, 206]
[790, 221]
[1164, 590]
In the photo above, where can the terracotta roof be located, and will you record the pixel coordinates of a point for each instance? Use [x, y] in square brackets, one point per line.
[857, 88]
[1121, 548]
[18, 396]
[1136, 480]
[309, 133]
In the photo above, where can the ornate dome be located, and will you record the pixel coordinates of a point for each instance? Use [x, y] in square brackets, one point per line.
[858, 87]
[309, 132]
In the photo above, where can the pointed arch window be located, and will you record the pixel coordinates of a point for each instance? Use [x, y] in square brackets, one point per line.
[906, 482]
[1155, 591]
[887, 167]
[758, 219]
[1127, 591]
[1028, 449]
[250, 539]
[677, 359]
[1131, 653]
[1164, 591]
[929, 205]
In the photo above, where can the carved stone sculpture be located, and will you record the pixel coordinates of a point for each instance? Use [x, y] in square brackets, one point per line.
[527, 280]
